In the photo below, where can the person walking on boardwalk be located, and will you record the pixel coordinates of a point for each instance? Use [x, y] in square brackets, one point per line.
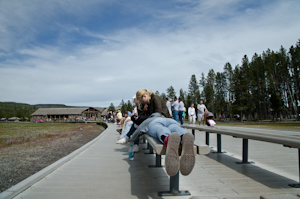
[201, 110]
[192, 114]
[175, 109]
[180, 109]
[168, 104]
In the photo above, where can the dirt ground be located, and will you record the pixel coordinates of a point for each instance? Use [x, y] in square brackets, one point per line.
[19, 161]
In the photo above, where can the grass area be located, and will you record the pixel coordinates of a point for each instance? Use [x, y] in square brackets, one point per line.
[292, 126]
[17, 133]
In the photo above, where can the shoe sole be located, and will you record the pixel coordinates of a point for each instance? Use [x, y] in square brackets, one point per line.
[172, 157]
[187, 160]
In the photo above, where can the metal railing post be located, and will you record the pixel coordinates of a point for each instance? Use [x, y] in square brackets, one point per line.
[193, 132]
[245, 153]
[219, 143]
[207, 138]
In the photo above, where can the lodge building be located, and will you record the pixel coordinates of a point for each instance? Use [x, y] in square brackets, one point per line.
[67, 113]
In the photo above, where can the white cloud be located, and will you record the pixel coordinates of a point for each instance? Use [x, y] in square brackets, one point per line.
[116, 64]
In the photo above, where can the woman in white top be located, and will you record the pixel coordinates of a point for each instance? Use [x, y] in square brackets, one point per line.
[192, 114]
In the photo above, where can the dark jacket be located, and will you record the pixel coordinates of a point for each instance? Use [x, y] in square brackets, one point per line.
[158, 105]
[142, 115]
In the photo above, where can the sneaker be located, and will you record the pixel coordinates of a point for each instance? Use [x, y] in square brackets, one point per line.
[135, 148]
[122, 141]
[172, 157]
[187, 160]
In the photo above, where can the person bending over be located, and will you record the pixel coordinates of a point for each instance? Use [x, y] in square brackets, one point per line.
[147, 103]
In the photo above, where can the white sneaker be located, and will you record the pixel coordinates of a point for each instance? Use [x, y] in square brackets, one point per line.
[122, 141]
[135, 148]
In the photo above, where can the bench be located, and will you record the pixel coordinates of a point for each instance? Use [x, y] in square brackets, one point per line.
[154, 144]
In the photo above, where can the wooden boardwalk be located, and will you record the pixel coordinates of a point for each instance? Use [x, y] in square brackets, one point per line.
[102, 170]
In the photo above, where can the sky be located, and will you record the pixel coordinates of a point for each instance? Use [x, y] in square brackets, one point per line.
[98, 52]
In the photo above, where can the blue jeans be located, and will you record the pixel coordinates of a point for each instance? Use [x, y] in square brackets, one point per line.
[164, 126]
[126, 129]
[131, 131]
[180, 116]
[175, 113]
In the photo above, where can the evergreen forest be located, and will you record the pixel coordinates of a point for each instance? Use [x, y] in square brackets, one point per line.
[265, 87]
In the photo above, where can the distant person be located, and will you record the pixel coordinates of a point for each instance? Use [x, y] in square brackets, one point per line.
[168, 104]
[175, 109]
[180, 109]
[192, 114]
[201, 110]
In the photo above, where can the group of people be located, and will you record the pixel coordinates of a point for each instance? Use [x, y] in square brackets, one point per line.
[201, 110]
[177, 110]
[152, 116]
[116, 118]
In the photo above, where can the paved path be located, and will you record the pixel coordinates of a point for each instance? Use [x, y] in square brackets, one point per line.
[102, 170]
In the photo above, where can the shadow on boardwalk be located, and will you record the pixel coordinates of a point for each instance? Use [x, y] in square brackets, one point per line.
[260, 175]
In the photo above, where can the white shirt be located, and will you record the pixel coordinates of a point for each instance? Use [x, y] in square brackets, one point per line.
[180, 106]
[191, 111]
[175, 105]
[134, 111]
[168, 103]
[201, 107]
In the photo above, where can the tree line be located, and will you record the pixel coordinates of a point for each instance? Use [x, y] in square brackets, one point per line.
[267, 87]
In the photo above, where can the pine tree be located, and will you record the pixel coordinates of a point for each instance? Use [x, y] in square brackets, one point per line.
[171, 93]
[258, 87]
[208, 90]
[123, 106]
[193, 89]
[129, 106]
[220, 93]
[295, 71]
[111, 108]
[229, 75]
[163, 96]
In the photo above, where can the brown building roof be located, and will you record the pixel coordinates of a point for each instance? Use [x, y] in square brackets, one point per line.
[62, 111]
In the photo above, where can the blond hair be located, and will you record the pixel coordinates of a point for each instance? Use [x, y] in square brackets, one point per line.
[140, 93]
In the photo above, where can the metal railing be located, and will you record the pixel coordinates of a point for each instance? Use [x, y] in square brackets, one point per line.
[286, 141]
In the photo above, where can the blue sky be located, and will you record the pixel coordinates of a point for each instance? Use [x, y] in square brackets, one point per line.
[93, 53]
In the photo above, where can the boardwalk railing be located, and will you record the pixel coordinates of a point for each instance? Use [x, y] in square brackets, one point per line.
[286, 141]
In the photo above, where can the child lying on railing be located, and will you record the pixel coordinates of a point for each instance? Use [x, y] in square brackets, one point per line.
[208, 117]
[171, 134]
